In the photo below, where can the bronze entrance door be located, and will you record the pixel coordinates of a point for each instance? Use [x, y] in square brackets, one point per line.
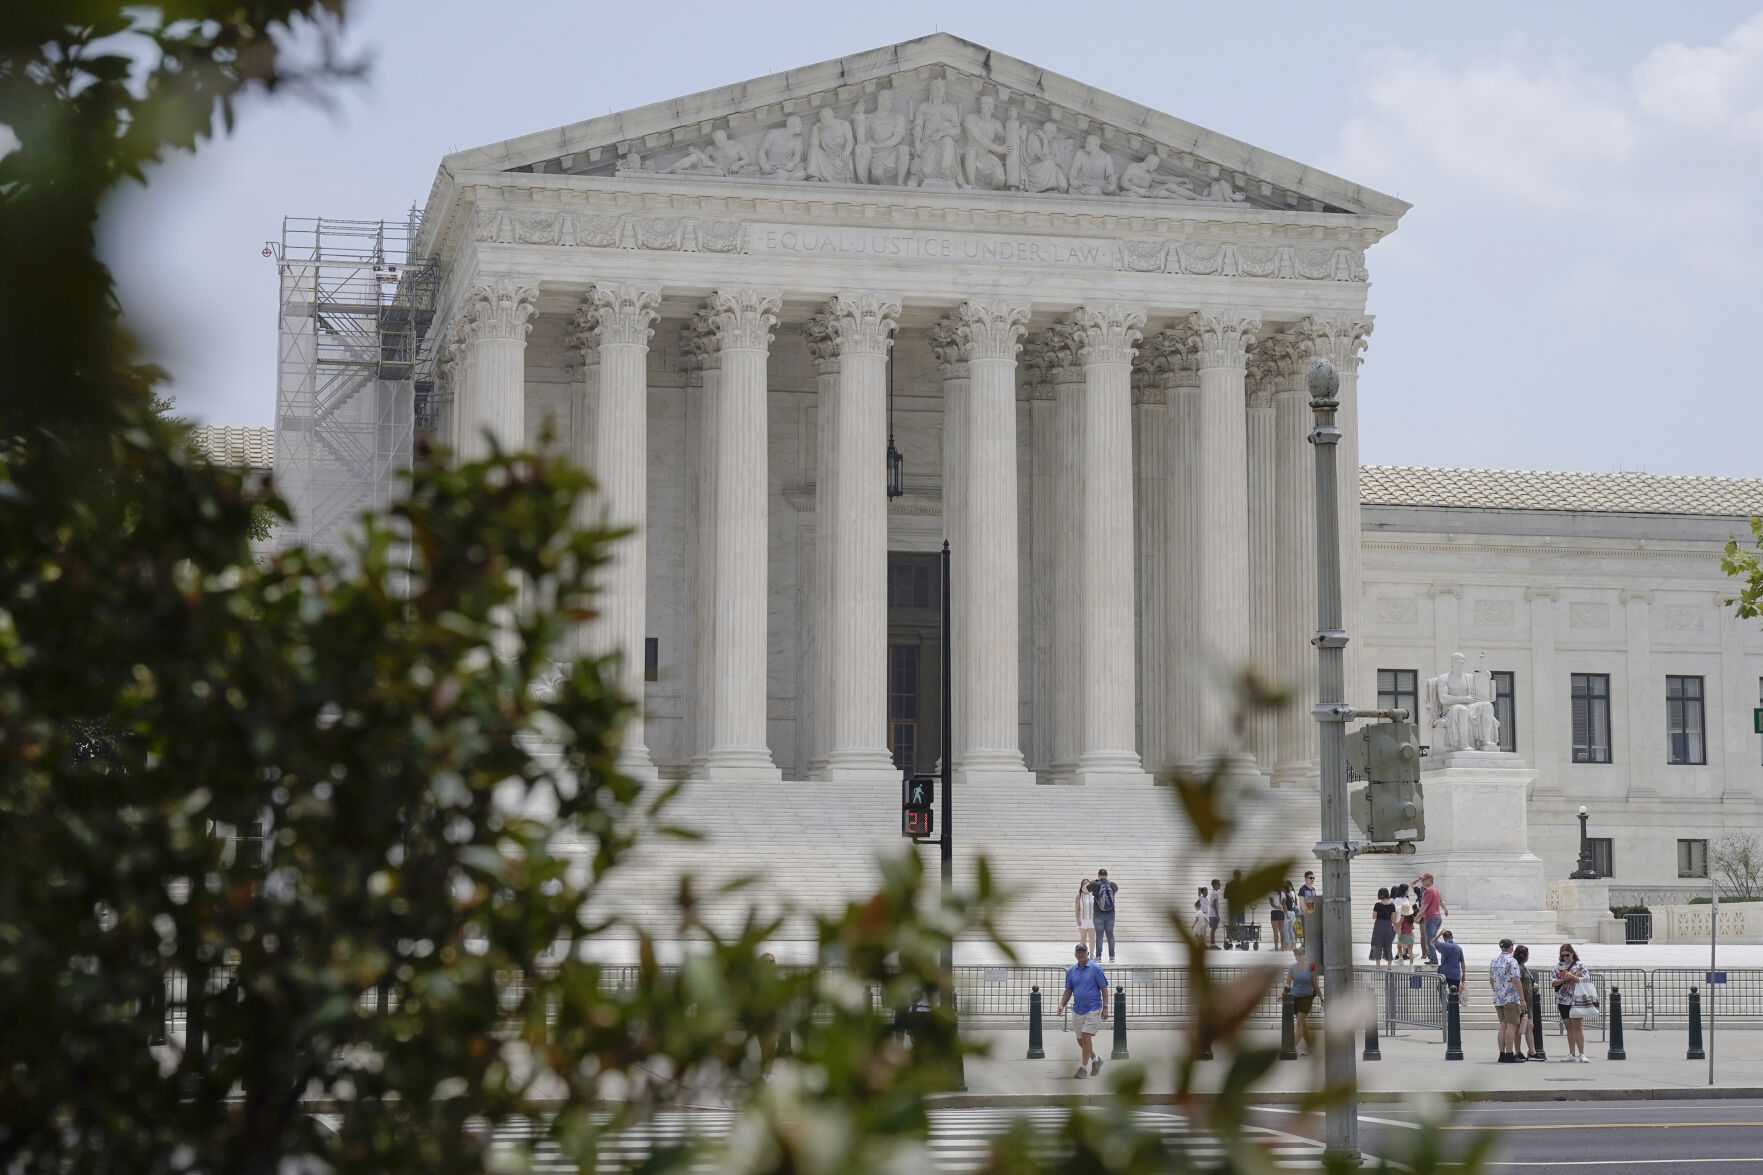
[915, 660]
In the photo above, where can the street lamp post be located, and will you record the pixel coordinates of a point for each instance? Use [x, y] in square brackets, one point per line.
[1341, 1139]
[1585, 872]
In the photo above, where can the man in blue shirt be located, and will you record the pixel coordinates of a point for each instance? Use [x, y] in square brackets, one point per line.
[1086, 990]
[1450, 961]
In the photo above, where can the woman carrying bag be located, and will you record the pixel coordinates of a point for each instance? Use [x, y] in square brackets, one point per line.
[1086, 916]
[1576, 998]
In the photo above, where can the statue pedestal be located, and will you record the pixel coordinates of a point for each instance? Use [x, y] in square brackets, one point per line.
[1583, 907]
[1477, 842]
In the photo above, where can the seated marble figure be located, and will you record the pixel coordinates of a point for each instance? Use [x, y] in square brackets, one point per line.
[1462, 705]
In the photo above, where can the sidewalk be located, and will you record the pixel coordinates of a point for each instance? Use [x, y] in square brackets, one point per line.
[1412, 1065]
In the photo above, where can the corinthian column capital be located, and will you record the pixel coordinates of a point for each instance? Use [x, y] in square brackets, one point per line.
[500, 308]
[623, 311]
[1108, 333]
[1338, 339]
[991, 329]
[822, 339]
[1223, 338]
[584, 335]
[1166, 358]
[863, 324]
[947, 349]
[742, 318]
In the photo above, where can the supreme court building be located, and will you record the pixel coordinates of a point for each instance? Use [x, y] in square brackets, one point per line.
[1085, 326]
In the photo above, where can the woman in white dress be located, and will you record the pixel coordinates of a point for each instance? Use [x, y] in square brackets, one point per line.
[1086, 916]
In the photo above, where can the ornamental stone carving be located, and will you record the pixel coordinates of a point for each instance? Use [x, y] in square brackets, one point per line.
[1223, 338]
[742, 318]
[698, 350]
[724, 156]
[822, 340]
[782, 152]
[1165, 357]
[623, 311]
[1338, 340]
[583, 338]
[863, 324]
[1107, 334]
[983, 164]
[831, 146]
[936, 140]
[501, 308]
[991, 329]
[1092, 171]
[948, 350]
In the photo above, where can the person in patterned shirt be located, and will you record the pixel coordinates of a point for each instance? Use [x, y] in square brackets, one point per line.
[1508, 1002]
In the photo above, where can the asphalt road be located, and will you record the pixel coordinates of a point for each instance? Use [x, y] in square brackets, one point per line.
[1582, 1137]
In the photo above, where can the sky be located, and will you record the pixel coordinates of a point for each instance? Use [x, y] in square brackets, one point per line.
[1575, 288]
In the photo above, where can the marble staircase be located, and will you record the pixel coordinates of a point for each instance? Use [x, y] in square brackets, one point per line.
[815, 845]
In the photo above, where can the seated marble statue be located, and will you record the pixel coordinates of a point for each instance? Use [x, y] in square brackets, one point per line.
[781, 151]
[830, 144]
[1092, 170]
[1462, 705]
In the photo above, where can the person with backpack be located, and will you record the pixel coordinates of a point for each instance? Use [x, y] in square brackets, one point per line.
[1103, 891]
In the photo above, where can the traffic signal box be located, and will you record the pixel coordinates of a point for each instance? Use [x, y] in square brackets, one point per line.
[918, 798]
[1390, 807]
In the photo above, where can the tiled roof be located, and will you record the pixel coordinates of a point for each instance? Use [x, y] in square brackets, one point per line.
[1524, 489]
[237, 446]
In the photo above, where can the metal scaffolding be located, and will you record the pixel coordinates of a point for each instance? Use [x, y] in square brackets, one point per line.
[355, 368]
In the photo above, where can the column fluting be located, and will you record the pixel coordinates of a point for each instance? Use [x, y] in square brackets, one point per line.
[987, 603]
[1066, 367]
[739, 750]
[1263, 553]
[1298, 759]
[824, 354]
[1187, 678]
[952, 372]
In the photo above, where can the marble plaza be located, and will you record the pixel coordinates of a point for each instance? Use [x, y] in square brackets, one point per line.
[1086, 326]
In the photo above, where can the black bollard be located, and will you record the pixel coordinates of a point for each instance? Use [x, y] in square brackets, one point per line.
[1695, 1053]
[1288, 1030]
[1617, 1052]
[1035, 1049]
[1537, 1052]
[1120, 1053]
[1372, 1052]
[1453, 1029]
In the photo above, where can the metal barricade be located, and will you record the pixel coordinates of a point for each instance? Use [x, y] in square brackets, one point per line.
[1738, 1001]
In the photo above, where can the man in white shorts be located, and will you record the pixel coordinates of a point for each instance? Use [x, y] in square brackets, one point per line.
[1086, 990]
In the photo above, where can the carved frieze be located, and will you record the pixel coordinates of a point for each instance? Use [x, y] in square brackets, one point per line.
[1398, 610]
[1494, 612]
[1588, 615]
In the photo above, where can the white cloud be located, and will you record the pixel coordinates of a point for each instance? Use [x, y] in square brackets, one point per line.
[1715, 89]
[1494, 128]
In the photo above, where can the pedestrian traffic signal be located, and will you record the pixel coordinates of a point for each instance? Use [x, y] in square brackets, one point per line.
[918, 794]
[1389, 812]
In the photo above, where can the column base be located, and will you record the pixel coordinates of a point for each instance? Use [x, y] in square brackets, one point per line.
[1297, 773]
[634, 762]
[1001, 766]
[1110, 769]
[1234, 767]
[858, 766]
[738, 765]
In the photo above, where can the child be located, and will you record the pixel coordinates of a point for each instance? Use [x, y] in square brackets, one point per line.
[1405, 934]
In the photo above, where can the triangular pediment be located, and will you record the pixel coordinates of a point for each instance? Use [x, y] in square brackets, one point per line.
[911, 115]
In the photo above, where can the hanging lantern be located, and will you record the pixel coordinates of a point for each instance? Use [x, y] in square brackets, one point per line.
[896, 459]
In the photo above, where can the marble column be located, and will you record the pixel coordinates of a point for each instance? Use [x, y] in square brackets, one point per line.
[699, 337]
[952, 370]
[1107, 752]
[1547, 689]
[986, 605]
[621, 315]
[1223, 549]
[1151, 430]
[823, 352]
[1299, 757]
[1185, 677]
[739, 749]
[1644, 693]
[492, 409]
[1037, 380]
[861, 327]
[1340, 340]
[1264, 632]
[1067, 374]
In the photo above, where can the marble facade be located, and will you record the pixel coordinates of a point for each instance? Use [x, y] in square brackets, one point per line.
[1096, 319]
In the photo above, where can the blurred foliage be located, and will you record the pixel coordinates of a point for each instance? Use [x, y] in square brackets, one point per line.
[353, 816]
[1745, 566]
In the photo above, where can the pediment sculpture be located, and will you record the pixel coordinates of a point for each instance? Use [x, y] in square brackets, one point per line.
[1462, 705]
[941, 141]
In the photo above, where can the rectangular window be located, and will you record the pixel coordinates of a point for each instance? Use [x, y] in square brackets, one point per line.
[913, 582]
[651, 658]
[1684, 743]
[1397, 690]
[1591, 717]
[1692, 858]
[1603, 858]
[1506, 709]
[903, 665]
